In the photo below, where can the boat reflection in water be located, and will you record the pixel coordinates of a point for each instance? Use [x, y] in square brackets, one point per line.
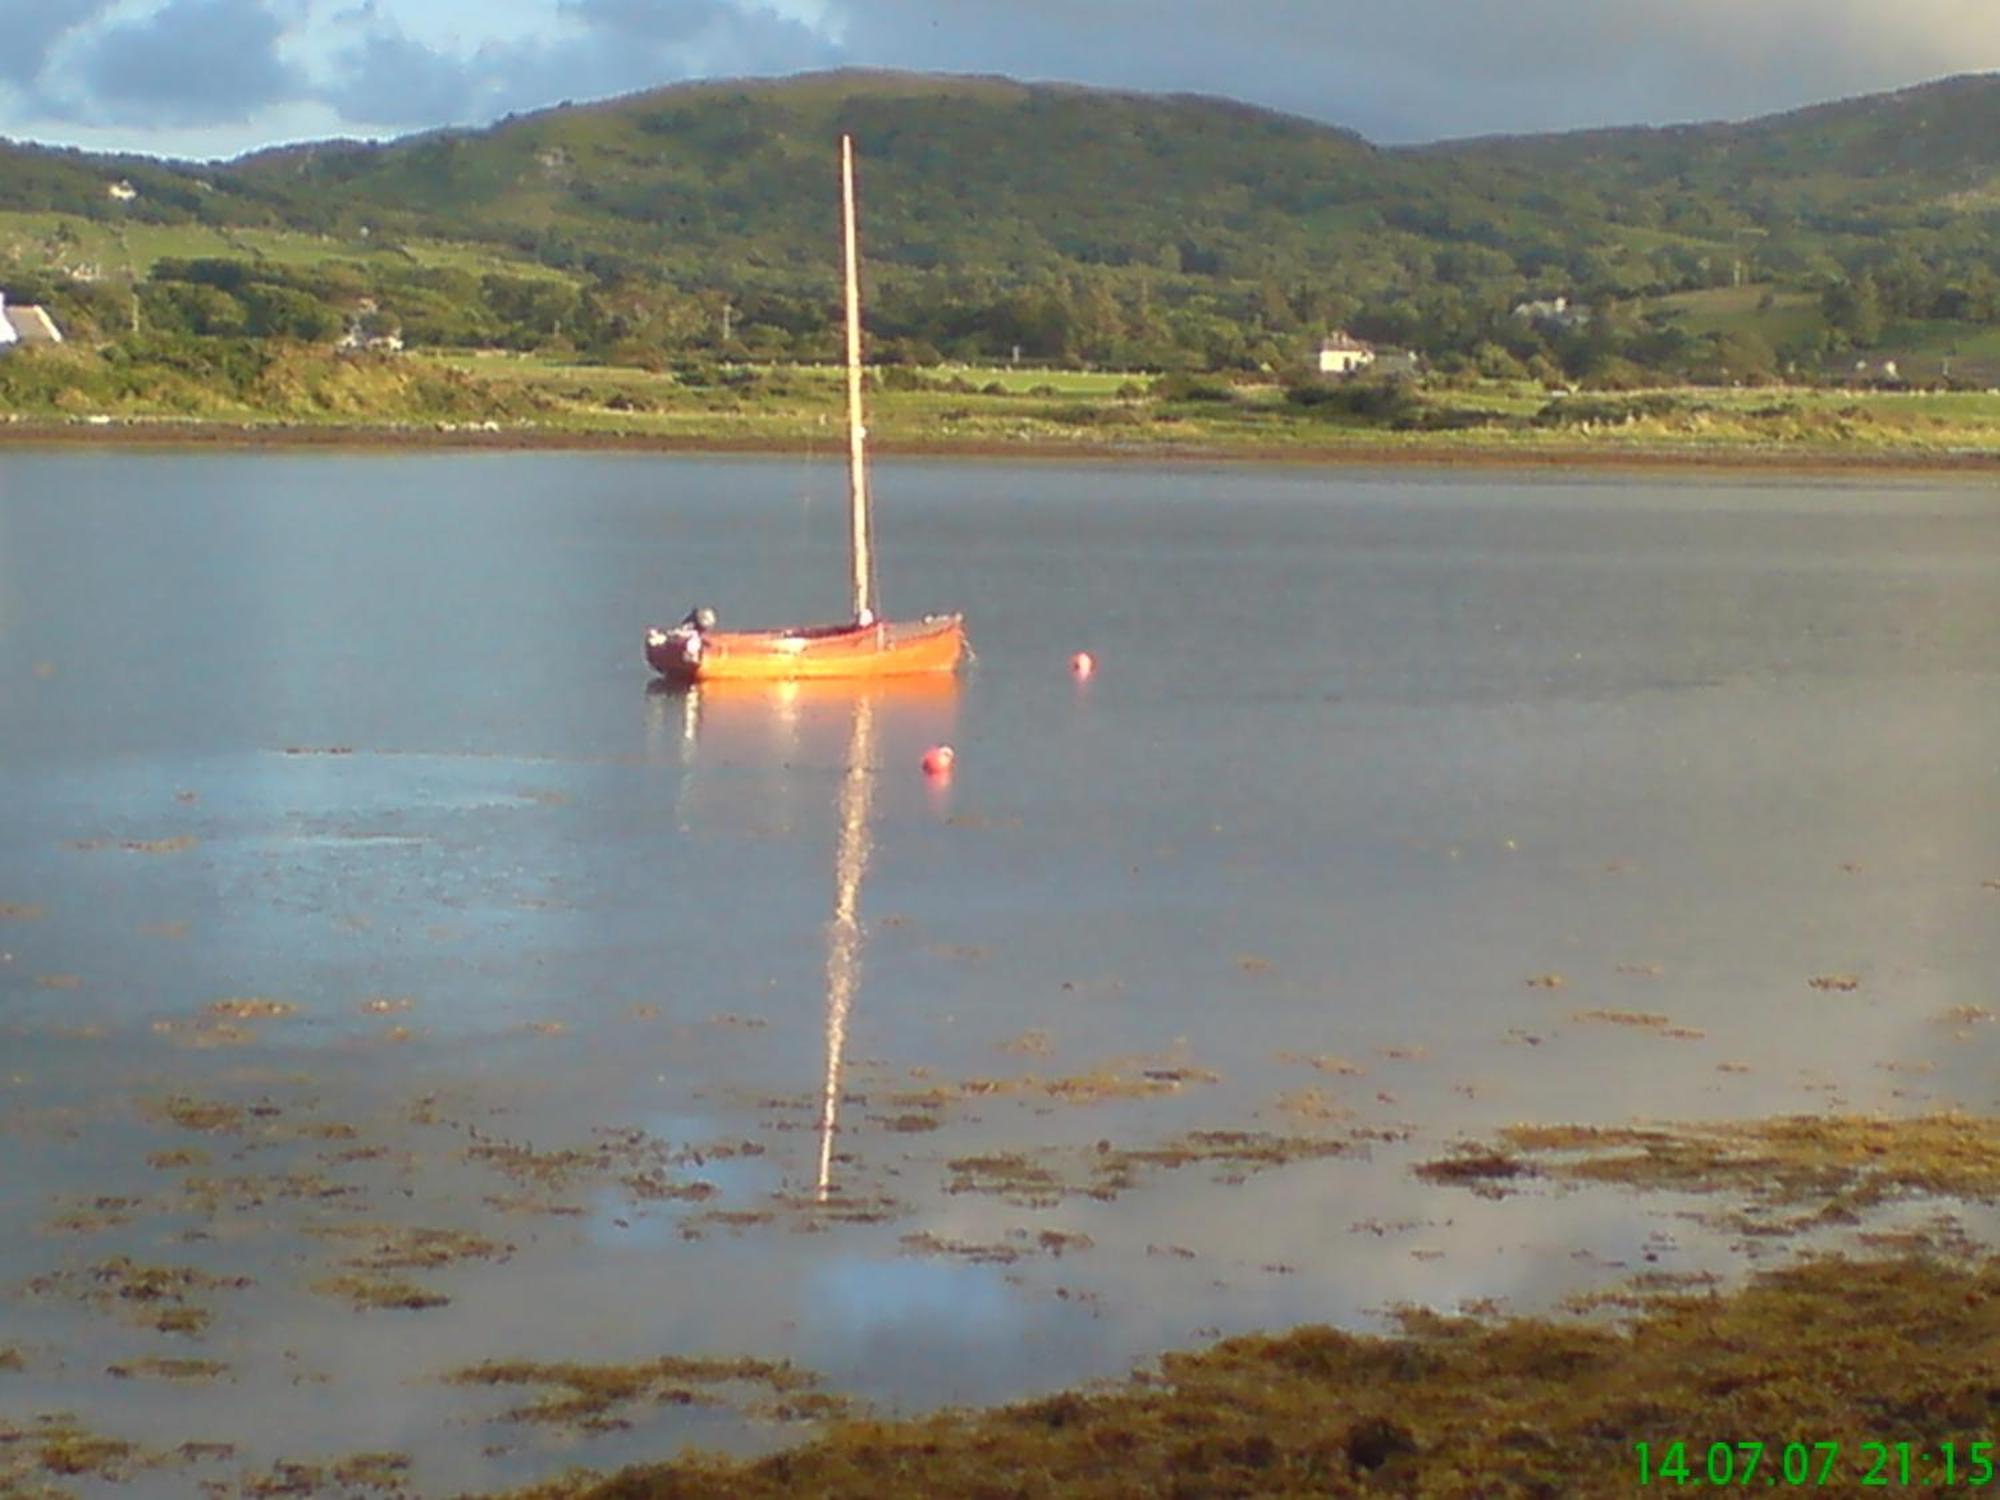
[793, 723]
[843, 933]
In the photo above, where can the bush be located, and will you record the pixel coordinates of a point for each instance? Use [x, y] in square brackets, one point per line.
[281, 312]
[1378, 400]
[1181, 386]
[192, 307]
[1084, 414]
[1605, 411]
[1317, 394]
[636, 354]
[1448, 419]
[1614, 374]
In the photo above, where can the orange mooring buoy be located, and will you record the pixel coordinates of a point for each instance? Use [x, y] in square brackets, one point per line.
[1082, 664]
[938, 759]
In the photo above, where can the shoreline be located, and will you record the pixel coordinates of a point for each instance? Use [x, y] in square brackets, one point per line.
[1839, 1356]
[473, 437]
[1814, 1370]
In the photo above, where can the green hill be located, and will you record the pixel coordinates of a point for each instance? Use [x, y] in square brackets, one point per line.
[1085, 225]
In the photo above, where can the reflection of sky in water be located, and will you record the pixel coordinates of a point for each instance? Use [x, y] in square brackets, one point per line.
[1364, 754]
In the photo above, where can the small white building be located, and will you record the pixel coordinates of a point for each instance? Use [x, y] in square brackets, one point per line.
[354, 339]
[121, 191]
[368, 327]
[1343, 354]
[1555, 312]
[26, 325]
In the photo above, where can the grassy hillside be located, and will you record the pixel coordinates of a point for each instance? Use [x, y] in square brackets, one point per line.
[1085, 227]
[58, 244]
[957, 172]
[1933, 146]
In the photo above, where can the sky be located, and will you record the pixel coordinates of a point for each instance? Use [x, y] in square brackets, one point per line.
[207, 78]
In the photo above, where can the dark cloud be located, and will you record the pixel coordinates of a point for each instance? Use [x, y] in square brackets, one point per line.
[1424, 69]
[603, 47]
[31, 29]
[193, 62]
[389, 78]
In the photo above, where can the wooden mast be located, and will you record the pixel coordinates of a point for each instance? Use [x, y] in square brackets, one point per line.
[857, 435]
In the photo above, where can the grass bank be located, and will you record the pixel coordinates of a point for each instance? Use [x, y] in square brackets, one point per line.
[215, 390]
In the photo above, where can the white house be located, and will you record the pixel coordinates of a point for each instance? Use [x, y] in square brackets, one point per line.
[121, 191]
[368, 329]
[1343, 354]
[384, 343]
[1557, 312]
[26, 325]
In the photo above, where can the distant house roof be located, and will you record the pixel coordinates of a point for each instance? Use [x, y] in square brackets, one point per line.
[1337, 343]
[32, 325]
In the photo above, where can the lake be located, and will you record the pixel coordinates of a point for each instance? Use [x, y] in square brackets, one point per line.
[393, 979]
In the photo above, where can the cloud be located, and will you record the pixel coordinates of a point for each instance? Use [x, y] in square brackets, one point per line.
[1558, 64]
[32, 29]
[156, 73]
[390, 78]
[1424, 69]
[597, 47]
[192, 62]
[651, 23]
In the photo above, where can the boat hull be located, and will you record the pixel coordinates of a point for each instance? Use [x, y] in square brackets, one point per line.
[889, 648]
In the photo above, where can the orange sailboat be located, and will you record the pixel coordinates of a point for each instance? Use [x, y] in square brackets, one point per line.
[866, 646]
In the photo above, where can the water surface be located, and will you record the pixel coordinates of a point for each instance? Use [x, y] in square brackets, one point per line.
[1385, 779]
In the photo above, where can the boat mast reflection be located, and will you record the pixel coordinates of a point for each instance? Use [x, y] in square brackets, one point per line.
[843, 934]
[786, 726]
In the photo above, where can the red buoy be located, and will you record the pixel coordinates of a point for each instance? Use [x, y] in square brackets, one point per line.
[1082, 664]
[938, 759]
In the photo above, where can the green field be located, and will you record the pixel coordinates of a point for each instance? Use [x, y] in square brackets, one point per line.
[128, 251]
[1925, 350]
[802, 408]
[1775, 314]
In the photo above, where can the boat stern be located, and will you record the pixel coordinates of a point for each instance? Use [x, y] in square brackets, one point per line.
[674, 654]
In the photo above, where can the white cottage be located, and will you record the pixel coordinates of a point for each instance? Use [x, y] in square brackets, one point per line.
[1343, 354]
[1554, 312]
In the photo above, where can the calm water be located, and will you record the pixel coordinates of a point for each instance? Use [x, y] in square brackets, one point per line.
[370, 736]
